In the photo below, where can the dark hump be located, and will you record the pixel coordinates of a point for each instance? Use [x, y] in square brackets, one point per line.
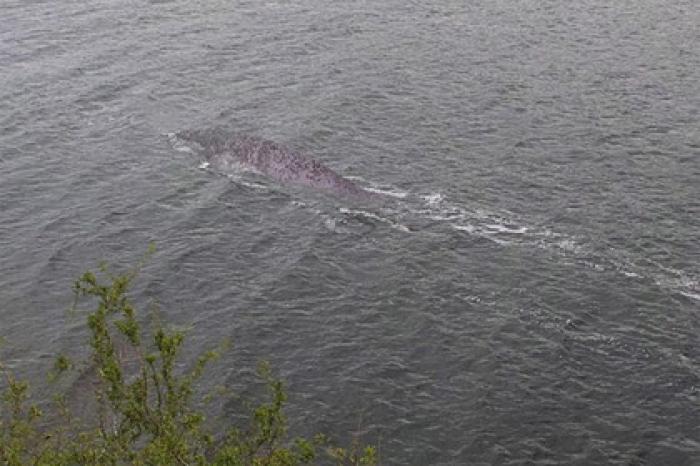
[272, 159]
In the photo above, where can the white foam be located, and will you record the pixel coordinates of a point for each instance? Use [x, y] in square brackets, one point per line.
[183, 148]
[479, 232]
[497, 240]
[498, 228]
[203, 165]
[688, 294]
[330, 223]
[568, 245]
[250, 184]
[594, 266]
[387, 192]
[684, 285]
[433, 198]
[547, 233]
[467, 228]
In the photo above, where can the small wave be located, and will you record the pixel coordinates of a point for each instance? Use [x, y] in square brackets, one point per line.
[594, 265]
[385, 190]
[330, 223]
[178, 144]
[373, 216]
[479, 232]
[443, 217]
[248, 184]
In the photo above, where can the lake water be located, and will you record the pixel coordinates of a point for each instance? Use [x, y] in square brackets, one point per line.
[528, 294]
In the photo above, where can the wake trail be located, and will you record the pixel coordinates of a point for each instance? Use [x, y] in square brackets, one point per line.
[410, 213]
[507, 229]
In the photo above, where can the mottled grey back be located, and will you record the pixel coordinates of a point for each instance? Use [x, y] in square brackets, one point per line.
[224, 151]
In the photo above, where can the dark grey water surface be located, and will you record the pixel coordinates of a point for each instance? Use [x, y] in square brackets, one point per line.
[528, 295]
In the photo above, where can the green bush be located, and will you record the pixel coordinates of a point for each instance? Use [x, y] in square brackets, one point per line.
[144, 411]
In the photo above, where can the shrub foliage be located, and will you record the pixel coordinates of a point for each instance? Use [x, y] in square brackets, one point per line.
[143, 409]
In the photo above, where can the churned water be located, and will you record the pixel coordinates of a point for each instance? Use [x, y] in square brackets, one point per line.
[529, 291]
